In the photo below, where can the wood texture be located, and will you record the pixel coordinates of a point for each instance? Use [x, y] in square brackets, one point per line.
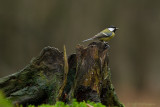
[50, 78]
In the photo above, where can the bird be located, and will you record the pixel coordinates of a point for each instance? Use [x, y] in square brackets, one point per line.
[105, 35]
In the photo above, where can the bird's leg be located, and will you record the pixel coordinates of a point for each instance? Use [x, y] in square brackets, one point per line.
[106, 44]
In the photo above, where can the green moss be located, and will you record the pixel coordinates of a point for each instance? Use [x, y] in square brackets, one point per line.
[4, 102]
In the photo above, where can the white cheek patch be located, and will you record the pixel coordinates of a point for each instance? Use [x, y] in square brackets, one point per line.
[111, 29]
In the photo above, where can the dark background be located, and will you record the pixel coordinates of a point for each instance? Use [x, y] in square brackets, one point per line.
[27, 26]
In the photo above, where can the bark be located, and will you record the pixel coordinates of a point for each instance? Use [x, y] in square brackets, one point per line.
[50, 78]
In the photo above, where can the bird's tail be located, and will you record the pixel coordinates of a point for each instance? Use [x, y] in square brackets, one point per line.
[87, 39]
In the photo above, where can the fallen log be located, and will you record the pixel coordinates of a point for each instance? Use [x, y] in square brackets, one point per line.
[52, 77]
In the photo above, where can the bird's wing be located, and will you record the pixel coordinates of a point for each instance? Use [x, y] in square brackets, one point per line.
[102, 35]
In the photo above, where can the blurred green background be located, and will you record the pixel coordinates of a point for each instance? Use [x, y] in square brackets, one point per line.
[27, 26]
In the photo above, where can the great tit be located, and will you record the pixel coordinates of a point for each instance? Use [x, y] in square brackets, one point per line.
[105, 35]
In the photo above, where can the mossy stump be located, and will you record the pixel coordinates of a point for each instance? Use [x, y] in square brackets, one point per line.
[52, 77]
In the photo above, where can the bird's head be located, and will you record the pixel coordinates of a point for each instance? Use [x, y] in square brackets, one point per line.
[113, 28]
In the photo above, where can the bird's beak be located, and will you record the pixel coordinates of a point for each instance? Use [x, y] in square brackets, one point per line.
[117, 28]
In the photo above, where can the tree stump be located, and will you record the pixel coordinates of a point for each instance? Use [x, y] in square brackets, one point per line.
[50, 77]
